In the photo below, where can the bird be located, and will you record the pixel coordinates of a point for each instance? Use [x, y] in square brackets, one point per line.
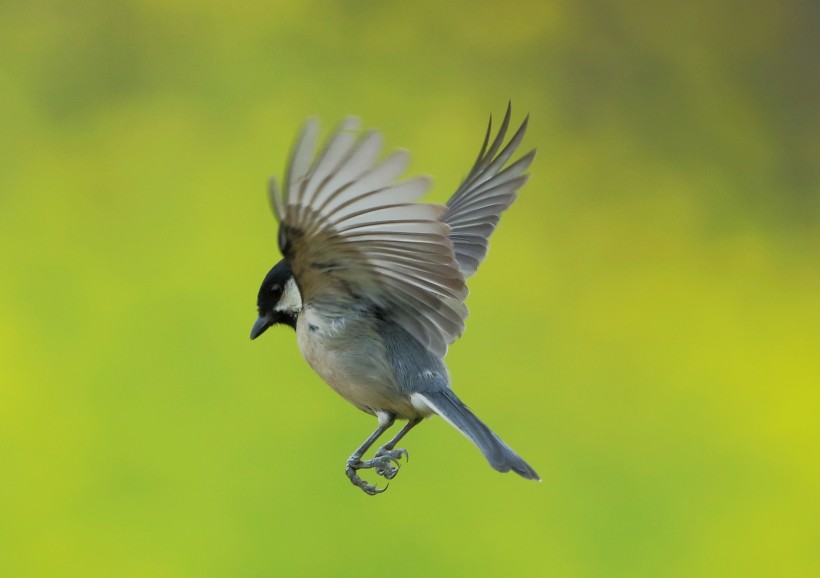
[374, 281]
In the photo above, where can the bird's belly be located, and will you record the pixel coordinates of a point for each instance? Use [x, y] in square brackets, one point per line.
[354, 364]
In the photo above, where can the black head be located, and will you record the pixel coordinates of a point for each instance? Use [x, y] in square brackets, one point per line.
[278, 300]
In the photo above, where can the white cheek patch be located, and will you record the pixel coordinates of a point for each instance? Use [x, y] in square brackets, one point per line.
[290, 300]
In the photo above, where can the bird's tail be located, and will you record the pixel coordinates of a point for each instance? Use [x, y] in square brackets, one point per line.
[500, 455]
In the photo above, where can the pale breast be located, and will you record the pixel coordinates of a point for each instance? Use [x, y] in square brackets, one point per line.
[348, 355]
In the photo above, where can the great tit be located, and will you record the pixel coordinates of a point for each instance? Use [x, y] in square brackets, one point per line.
[374, 282]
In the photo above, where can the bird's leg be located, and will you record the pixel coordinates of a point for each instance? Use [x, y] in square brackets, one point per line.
[387, 454]
[355, 463]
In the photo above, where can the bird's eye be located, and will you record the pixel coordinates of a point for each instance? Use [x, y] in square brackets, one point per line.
[274, 288]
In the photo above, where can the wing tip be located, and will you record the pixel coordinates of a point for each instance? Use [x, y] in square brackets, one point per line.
[350, 123]
[275, 199]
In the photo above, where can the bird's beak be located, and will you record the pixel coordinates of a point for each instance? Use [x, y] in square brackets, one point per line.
[262, 323]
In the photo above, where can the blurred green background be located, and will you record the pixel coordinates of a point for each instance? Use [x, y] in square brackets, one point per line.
[645, 331]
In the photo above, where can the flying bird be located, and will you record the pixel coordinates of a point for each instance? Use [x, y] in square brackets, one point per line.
[373, 281]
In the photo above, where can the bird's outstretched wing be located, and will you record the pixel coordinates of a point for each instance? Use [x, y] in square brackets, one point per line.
[351, 234]
[475, 208]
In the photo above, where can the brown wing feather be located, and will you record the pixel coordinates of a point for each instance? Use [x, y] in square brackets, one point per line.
[349, 231]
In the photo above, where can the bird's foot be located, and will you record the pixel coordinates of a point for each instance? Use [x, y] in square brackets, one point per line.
[353, 466]
[385, 463]
[384, 459]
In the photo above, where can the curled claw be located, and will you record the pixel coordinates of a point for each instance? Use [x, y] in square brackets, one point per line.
[372, 490]
[388, 471]
[382, 466]
[386, 462]
[353, 476]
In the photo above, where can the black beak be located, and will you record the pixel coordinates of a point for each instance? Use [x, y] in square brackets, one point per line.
[262, 323]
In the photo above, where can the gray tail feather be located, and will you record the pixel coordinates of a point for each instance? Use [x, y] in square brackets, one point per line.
[500, 455]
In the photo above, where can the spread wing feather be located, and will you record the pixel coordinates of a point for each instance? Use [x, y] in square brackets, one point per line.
[349, 231]
[475, 208]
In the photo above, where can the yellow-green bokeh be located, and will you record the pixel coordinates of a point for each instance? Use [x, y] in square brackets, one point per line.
[645, 331]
